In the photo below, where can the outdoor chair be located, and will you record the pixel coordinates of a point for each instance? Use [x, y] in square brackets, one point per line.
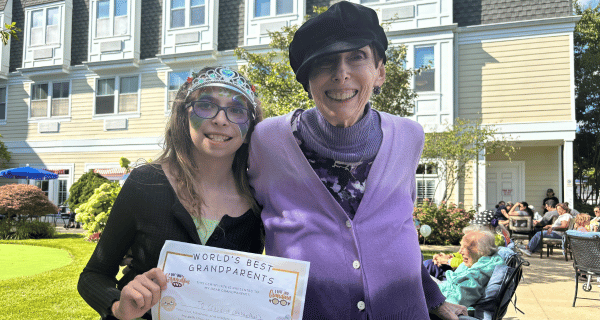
[521, 227]
[585, 247]
[499, 291]
[551, 242]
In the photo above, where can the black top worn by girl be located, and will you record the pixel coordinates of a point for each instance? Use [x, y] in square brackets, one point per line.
[146, 213]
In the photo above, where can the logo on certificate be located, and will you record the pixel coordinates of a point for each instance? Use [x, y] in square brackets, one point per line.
[177, 280]
[280, 297]
[168, 303]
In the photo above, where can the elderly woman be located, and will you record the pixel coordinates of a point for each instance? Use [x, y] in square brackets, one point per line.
[555, 231]
[337, 182]
[467, 283]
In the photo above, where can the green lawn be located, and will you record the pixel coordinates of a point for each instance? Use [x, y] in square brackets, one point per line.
[51, 294]
[21, 260]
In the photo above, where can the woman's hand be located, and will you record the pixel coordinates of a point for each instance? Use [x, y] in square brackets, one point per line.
[139, 295]
[549, 231]
[450, 311]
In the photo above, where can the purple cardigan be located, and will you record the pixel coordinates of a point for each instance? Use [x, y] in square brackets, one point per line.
[368, 267]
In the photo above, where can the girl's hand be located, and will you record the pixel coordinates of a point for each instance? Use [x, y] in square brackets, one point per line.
[139, 295]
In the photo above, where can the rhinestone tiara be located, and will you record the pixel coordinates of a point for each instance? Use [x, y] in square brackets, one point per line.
[225, 78]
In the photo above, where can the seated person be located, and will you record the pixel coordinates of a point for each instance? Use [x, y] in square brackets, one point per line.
[550, 213]
[555, 231]
[521, 209]
[467, 283]
[549, 196]
[582, 222]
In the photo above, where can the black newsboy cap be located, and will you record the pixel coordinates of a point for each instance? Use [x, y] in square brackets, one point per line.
[344, 27]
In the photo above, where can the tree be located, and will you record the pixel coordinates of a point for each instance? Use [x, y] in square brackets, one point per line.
[454, 148]
[586, 147]
[10, 30]
[4, 154]
[24, 200]
[95, 211]
[280, 93]
[83, 189]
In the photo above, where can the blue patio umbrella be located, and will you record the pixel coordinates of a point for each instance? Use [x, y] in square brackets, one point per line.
[28, 173]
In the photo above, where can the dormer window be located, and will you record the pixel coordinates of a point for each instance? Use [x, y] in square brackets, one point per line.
[45, 26]
[266, 8]
[186, 13]
[112, 18]
[263, 16]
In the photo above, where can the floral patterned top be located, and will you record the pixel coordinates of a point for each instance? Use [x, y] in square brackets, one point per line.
[344, 180]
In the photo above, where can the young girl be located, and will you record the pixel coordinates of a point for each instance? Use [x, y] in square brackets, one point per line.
[196, 192]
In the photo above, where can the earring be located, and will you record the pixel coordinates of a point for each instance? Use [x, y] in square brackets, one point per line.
[376, 90]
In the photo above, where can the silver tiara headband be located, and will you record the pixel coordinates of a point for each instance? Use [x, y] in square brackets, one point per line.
[225, 78]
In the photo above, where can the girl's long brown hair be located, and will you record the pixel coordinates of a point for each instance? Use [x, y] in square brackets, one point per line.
[177, 153]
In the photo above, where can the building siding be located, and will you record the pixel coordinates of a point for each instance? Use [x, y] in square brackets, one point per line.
[541, 172]
[524, 80]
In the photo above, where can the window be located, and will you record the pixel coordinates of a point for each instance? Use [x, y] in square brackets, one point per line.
[265, 8]
[112, 18]
[44, 185]
[119, 91]
[60, 99]
[39, 100]
[62, 192]
[427, 179]
[196, 13]
[425, 81]
[176, 79]
[50, 99]
[2, 104]
[45, 26]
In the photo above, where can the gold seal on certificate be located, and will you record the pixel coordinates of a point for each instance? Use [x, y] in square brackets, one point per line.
[212, 283]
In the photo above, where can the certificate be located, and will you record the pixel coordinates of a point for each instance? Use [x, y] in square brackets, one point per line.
[210, 283]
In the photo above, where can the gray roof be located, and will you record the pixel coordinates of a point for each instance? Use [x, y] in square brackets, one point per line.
[476, 12]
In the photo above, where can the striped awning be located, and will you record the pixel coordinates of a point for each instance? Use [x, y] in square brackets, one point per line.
[111, 173]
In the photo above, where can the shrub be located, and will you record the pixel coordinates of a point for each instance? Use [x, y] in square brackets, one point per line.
[23, 200]
[446, 221]
[83, 189]
[25, 229]
[93, 214]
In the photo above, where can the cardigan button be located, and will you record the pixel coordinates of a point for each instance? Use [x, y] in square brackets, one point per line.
[348, 224]
[356, 264]
[361, 305]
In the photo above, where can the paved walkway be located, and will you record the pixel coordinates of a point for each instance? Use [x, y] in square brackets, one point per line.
[547, 290]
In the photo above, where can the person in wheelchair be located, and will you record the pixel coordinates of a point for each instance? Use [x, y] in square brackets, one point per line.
[466, 284]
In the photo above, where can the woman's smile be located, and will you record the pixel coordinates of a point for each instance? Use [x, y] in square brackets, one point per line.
[341, 95]
[218, 137]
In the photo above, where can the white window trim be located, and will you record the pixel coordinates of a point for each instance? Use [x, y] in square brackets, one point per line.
[111, 17]
[28, 19]
[187, 12]
[3, 120]
[49, 106]
[116, 114]
[168, 73]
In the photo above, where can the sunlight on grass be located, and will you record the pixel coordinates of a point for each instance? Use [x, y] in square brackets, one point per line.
[22, 260]
[51, 294]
